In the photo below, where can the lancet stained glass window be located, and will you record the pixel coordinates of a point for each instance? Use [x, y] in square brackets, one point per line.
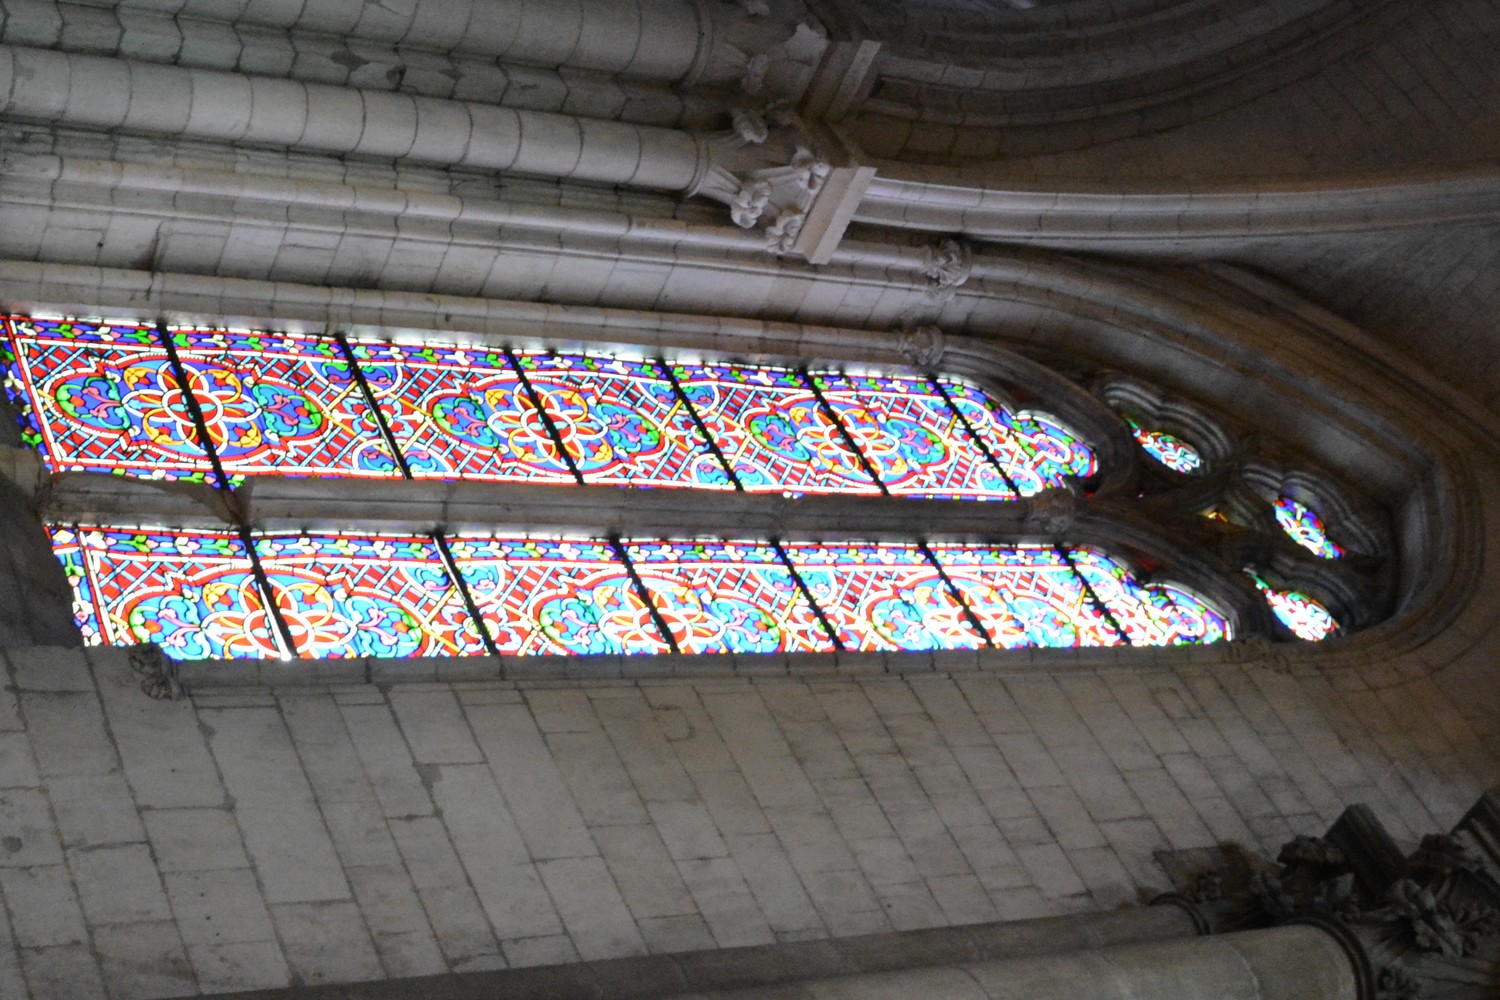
[546, 596]
[1304, 616]
[722, 597]
[1168, 449]
[459, 413]
[101, 397]
[106, 397]
[192, 592]
[351, 595]
[282, 404]
[622, 422]
[1305, 528]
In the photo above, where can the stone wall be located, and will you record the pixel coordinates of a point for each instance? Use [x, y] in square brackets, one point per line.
[257, 837]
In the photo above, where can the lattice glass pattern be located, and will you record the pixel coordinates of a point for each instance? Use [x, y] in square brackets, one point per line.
[191, 592]
[100, 397]
[769, 426]
[622, 422]
[544, 596]
[282, 404]
[1150, 615]
[883, 596]
[1035, 449]
[1168, 449]
[1302, 614]
[1026, 595]
[1305, 528]
[912, 437]
[459, 413]
[380, 595]
[720, 597]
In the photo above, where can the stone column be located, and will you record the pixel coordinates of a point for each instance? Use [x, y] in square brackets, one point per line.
[1282, 963]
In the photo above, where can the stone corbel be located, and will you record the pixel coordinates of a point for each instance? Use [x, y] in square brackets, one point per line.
[776, 177]
[947, 267]
[1425, 924]
[765, 48]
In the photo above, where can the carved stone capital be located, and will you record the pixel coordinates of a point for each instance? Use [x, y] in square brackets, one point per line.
[1051, 513]
[776, 177]
[1421, 925]
[762, 48]
[947, 266]
[922, 345]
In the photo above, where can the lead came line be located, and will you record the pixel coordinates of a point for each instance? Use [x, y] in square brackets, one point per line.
[849, 441]
[380, 421]
[195, 411]
[957, 595]
[645, 595]
[982, 444]
[283, 631]
[547, 421]
[807, 594]
[687, 404]
[451, 564]
[1088, 588]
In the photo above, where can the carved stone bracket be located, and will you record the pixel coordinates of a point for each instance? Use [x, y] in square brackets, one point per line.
[922, 345]
[946, 268]
[1424, 925]
[775, 176]
[158, 672]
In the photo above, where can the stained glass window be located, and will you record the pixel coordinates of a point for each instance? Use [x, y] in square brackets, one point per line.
[382, 595]
[1304, 616]
[282, 404]
[460, 413]
[1152, 615]
[883, 596]
[1055, 450]
[720, 597]
[622, 422]
[104, 397]
[544, 596]
[1170, 450]
[772, 430]
[1026, 595]
[1036, 450]
[100, 397]
[191, 592]
[912, 436]
[1305, 528]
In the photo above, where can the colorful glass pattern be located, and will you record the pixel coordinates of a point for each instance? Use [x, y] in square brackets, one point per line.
[1304, 616]
[100, 397]
[282, 404]
[883, 597]
[1026, 595]
[912, 437]
[460, 413]
[191, 592]
[1150, 615]
[1305, 528]
[542, 596]
[722, 597]
[772, 430]
[1170, 450]
[622, 422]
[1036, 451]
[345, 595]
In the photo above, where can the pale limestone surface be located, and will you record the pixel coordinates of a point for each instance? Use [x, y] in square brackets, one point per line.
[250, 839]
